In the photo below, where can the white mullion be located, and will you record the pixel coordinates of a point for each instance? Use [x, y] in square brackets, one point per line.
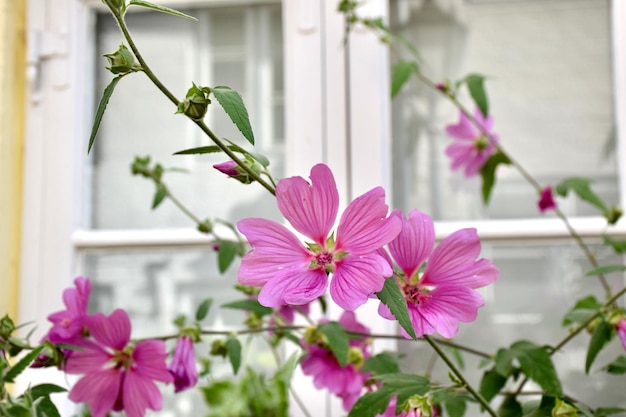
[143, 238]
[618, 17]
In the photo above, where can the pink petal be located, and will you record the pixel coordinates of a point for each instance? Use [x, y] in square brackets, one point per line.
[90, 358]
[356, 277]
[621, 331]
[349, 322]
[414, 243]
[384, 311]
[274, 249]
[449, 305]
[149, 357]
[364, 226]
[295, 287]
[454, 262]
[486, 123]
[112, 331]
[310, 208]
[98, 389]
[463, 129]
[140, 393]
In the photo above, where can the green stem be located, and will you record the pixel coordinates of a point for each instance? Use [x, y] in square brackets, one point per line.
[155, 80]
[460, 376]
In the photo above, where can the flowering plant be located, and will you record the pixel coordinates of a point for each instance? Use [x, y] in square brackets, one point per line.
[374, 253]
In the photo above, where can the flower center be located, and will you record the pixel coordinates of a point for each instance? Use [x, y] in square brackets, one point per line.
[323, 260]
[416, 294]
[123, 358]
[481, 143]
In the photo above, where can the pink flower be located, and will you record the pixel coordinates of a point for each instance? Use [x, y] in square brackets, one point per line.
[183, 365]
[68, 325]
[291, 273]
[228, 167]
[621, 331]
[445, 293]
[473, 148]
[345, 382]
[546, 200]
[117, 376]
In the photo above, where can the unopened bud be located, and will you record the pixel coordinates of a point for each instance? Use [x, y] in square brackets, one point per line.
[121, 61]
[613, 215]
[233, 170]
[218, 348]
[563, 409]
[196, 103]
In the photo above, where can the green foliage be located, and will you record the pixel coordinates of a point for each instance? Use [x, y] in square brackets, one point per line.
[618, 245]
[582, 188]
[163, 9]
[383, 363]
[159, 195]
[608, 411]
[618, 366]
[491, 384]
[234, 352]
[401, 72]
[393, 298]
[606, 269]
[203, 309]
[543, 409]
[233, 105]
[582, 311]
[602, 335]
[22, 364]
[337, 339]
[249, 305]
[227, 252]
[455, 406]
[510, 407]
[401, 385]
[476, 86]
[102, 106]
[488, 173]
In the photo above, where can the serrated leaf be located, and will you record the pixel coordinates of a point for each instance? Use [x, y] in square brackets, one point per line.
[234, 353]
[491, 384]
[607, 269]
[249, 305]
[537, 364]
[203, 309]
[401, 385]
[159, 196]
[22, 364]
[163, 9]
[200, 150]
[618, 366]
[226, 254]
[510, 407]
[383, 363]
[602, 335]
[476, 86]
[104, 101]
[582, 310]
[338, 340]
[618, 245]
[401, 72]
[393, 298]
[488, 173]
[582, 188]
[233, 105]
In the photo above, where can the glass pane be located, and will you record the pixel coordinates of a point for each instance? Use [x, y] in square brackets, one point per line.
[538, 284]
[236, 46]
[548, 69]
[155, 286]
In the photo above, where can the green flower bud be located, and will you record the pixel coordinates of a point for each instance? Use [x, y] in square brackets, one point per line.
[563, 409]
[218, 348]
[417, 402]
[196, 102]
[613, 215]
[122, 61]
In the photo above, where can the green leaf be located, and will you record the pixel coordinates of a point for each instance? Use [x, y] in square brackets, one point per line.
[46, 408]
[203, 309]
[618, 245]
[22, 364]
[393, 298]
[582, 188]
[249, 305]
[510, 407]
[383, 363]
[104, 101]
[618, 366]
[537, 364]
[455, 406]
[488, 173]
[233, 105]
[491, 384]
[582, 310]
[199, 150]
[504, 362]
[458, 357]
[602, 334]
[226, 254]
[42, 390]
[338, 340]
[401, 71]
[261, 159]
[607, 269]
[158, 8]
[608, 411]
[544, 409]
[159, 196]
[234, 353]
[476, 86]
[401, 385]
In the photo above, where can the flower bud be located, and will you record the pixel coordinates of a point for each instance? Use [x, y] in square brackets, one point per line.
[121, 61]
[196, 103]
[563, 409]
[233, 170]
[218, 348]
[613, 215]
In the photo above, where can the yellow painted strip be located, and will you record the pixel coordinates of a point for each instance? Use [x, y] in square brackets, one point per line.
[12, 101]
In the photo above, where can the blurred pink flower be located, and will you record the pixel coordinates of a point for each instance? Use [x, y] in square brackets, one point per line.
[291, 273]
[445, 293]
[117, 376]
[546, 200]
[228, 167]
[183, 365]
[621, 331]
[68, 325]
[473, 148]
[345, 382]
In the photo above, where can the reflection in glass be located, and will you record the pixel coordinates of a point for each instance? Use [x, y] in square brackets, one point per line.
[548, 70]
